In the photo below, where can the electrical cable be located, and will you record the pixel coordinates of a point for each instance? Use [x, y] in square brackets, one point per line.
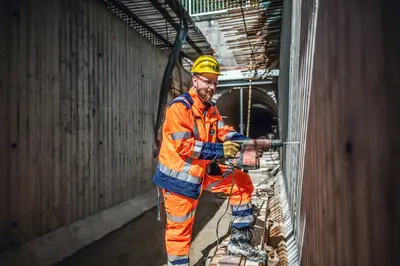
[166, 81]
[251, 66]
[245, 28]
[226, 211]
[222, 216]
[227, 207]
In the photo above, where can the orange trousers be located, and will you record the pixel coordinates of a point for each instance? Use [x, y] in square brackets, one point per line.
[180, 212]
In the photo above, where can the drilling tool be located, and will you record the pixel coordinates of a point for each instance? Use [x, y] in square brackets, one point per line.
[247, 158]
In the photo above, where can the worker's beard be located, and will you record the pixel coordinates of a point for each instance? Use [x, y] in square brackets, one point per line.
[205, 94]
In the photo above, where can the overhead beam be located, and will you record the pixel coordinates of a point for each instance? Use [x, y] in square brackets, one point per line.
[121, 7]
[243, 83]
[129, 13]
[177, 12]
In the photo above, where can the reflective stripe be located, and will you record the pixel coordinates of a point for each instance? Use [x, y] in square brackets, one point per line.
[178, 260]
[179, 175]
[174, 258]
[181, 135]
[187, 165]
[243, 219]
[196, 131]
[241, 207]
[181, 98]
[213, 184]
[181, 219]
[220, 124]
[197, 149]
[180, 264]
[230, 135]
[216, 183]
[187, 102]
[227, 172]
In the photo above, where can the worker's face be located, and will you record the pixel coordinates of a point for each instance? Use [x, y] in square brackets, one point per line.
[205, 86]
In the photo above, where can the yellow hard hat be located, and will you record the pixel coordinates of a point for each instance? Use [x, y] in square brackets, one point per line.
[206, 64]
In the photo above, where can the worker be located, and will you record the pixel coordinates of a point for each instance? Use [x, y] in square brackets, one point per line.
[193, 136]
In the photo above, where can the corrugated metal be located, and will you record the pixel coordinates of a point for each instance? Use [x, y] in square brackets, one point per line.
[300, 71]
[78, 92]
[343, 107]
[295, 87]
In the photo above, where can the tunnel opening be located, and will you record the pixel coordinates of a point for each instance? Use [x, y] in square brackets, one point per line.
[263, 111]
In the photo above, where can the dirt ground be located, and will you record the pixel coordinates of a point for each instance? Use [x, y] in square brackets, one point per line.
[141, 242]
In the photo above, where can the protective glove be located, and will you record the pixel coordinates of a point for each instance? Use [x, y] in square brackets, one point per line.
[230, 149]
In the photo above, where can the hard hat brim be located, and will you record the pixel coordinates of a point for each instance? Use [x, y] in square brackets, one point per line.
[208, 72]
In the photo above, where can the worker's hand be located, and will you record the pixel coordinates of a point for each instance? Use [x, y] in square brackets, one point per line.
[230, 149]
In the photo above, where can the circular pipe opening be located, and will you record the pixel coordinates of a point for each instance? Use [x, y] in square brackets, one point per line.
[263, 112]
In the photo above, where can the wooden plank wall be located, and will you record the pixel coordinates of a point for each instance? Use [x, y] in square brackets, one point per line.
[78, 94]
[350, 199]
[4, 147]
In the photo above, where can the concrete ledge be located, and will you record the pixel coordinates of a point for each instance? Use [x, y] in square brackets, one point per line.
[57, 245]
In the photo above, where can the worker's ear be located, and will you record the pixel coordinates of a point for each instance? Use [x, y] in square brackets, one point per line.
[194, 80]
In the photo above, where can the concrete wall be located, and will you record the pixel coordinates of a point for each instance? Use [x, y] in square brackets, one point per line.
[78, 97]
[343, 107]
[210, 28]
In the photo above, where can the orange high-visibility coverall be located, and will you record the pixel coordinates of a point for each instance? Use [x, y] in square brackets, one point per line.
[180, 213]
[190, 142]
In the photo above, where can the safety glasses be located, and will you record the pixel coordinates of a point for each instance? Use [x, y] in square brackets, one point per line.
[208, 82]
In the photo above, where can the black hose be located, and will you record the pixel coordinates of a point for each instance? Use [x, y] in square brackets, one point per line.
[225, 212]
[166, 81]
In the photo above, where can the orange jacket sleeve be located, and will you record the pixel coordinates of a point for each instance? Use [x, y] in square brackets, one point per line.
[180, 128]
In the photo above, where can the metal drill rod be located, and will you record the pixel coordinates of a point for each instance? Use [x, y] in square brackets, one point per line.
[291, 142]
